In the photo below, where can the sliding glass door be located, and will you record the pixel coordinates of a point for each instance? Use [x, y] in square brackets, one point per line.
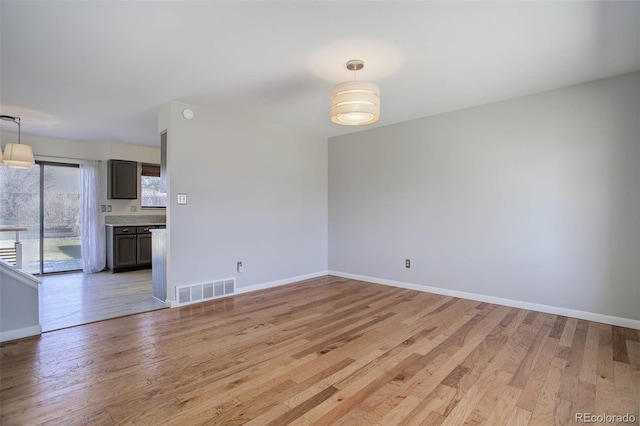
[60, 218]
[45, 199]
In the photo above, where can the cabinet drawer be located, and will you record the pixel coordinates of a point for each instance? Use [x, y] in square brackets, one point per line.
[145, 229]
[124, 230]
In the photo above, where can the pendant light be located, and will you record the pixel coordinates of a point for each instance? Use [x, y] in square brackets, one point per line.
[15, 154]
[355, 103]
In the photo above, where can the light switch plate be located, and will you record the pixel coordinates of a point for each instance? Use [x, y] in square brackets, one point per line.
[182, 199]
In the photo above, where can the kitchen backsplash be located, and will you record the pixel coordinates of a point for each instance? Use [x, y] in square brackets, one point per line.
[135, 219]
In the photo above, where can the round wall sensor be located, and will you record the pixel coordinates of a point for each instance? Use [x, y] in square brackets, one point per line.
[187, 113]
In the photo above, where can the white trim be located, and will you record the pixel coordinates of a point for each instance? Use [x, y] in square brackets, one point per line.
[557, 310]
[19, 275]
[263, 286]
[277, 283]
[33, 330]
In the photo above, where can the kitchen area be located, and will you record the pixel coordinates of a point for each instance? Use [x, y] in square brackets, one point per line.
[133, 210]
[129, 238]
[132, 246]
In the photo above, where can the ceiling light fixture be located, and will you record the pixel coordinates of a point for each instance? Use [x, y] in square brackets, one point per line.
[15, 154]
[355, 103]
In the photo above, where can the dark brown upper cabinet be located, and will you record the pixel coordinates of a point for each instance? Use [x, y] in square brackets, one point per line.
[122, 180]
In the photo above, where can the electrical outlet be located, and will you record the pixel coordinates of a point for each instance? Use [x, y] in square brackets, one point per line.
[407, 263]
[239, 266]
[103, 208]
[182, 199]
[109, 208]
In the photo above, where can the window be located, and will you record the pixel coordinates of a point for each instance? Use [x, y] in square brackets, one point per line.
[150, 194]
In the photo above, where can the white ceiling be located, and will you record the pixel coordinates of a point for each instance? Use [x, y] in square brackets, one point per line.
[99, 71]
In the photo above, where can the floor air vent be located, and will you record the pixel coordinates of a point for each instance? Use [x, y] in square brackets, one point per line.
[194, 293]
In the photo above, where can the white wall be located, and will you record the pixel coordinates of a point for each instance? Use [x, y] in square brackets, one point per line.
[535, 199]
[256, 193]
[62, 150]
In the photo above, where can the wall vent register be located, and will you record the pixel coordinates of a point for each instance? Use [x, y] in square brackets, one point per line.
[195, 293]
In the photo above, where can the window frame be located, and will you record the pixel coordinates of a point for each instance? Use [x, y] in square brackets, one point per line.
[152, 170]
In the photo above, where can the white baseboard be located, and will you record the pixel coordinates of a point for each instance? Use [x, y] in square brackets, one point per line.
[556, 310]
[271, 284]
[263, 286]
[33, 330]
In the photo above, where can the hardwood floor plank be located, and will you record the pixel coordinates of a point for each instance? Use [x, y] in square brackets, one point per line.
[336, 377]
[533, 387]
[626, 401]
[510, 357]
[343, 338]
[302, 408]
[634, 354]
[504, 406]
[459, 414]
[605, 395]
[433, 419]
[558, 327]
[571, 373]
[605, 353]
[517, 417]
[589, 368]
[530, 317]
[323, 351]
[544, 412]
[476, 355]
[584, 401]
[619, 345]
[521, 376]
[437, 401]
[348, 399]
[453, 379]
[631, 334]
[566, 339]
[396, 415]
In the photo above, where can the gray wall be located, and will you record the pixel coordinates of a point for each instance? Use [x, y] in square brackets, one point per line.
[535, 199]
[19, 303]
[256, 193]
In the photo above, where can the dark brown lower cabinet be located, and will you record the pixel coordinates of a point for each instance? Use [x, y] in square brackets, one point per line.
[128, 247]
[144, 249]
[124, 251]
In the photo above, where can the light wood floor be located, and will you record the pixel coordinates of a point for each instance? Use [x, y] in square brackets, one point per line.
[76, 298]
[326, 351]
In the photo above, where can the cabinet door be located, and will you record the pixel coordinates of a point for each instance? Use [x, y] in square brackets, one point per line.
[122, 181]
[125, 250]
[144, 249]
